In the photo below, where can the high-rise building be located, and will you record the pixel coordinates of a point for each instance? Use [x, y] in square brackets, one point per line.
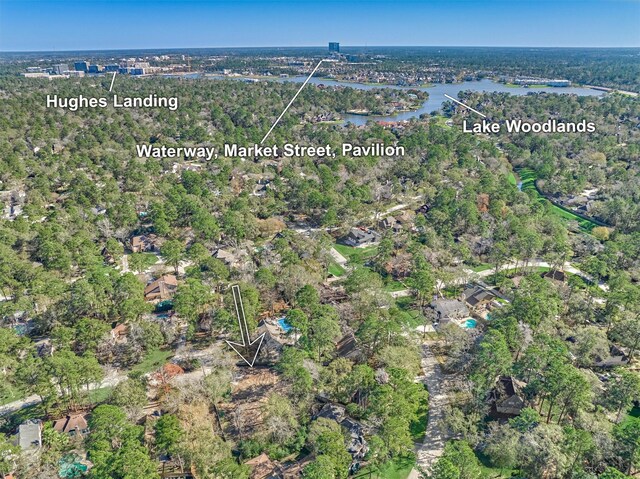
[111, 68]
[334, 47]
[60, 68]
[95, 69]
[81, 66]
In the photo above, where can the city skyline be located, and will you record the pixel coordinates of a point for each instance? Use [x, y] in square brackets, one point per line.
[63, 25]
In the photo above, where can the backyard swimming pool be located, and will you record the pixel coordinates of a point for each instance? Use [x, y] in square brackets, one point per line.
[286, 327]
[470, 324]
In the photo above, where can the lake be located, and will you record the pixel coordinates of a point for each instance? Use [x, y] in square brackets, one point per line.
[436, 93]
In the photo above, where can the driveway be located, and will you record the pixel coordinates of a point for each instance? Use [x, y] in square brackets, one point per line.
[438, 386]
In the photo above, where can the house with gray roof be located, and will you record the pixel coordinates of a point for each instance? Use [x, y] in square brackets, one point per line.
[446, 310]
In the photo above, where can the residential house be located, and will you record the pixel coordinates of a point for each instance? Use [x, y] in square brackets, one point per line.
[262, 467]
[145, 243]
[161, 289]
[447, 310]
[399, 265]
[29, 436]
[348, 348]
[359, 237]
[390, 223]
[356, 443]
[273, 342]
[617, 357]
[506, 397]
[424, 209]
[406, 218]
[476, 297]
[232, 260]
[73, 425]
[294, 470]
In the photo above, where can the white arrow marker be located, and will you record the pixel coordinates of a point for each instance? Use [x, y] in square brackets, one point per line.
[466, 106]
[245, 348]
[291, 102]
[113, 80]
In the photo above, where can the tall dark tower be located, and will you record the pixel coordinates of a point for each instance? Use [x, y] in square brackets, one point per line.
[334, 47]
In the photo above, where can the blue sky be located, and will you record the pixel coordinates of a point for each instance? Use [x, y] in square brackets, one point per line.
[32, 25]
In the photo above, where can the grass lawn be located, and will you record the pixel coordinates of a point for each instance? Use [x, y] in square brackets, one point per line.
[392, 285]
[356, 255]
[405, 303]
[18, 417]
[528, 177]
[12, 394]
[153, 360]
[512, 179]
[481, 267]
[398, 468]
[440, 121]
[336, 270]
[97, 396]
[490, 471]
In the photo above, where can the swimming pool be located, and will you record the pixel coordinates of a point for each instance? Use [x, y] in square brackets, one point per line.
[470, 324]
[286, 327]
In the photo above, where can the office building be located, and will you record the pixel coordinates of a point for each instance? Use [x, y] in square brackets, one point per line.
[95, 68]
[334, 47]
[81, 66]
[111, 68]
[60, 68]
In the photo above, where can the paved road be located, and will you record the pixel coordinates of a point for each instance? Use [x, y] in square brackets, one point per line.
[538, 263]
[438, 386]
[110, 380]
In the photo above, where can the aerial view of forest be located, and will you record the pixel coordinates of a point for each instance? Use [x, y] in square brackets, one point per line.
[420, 290]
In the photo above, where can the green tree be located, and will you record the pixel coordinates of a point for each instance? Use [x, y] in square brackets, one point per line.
[422, 280]
[460, 454]
[324, 330]
[622, 392]
[9, 455]
[627, 437]
[322, 467]
[493, 359]
[167, 433]
[444, 469]
[129, 301]
[298, 321]
[173, 252]
[130, 394]
[326, 438]
[192, 299]
[291, 366]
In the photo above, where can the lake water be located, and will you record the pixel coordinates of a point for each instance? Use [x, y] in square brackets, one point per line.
[436, 93]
